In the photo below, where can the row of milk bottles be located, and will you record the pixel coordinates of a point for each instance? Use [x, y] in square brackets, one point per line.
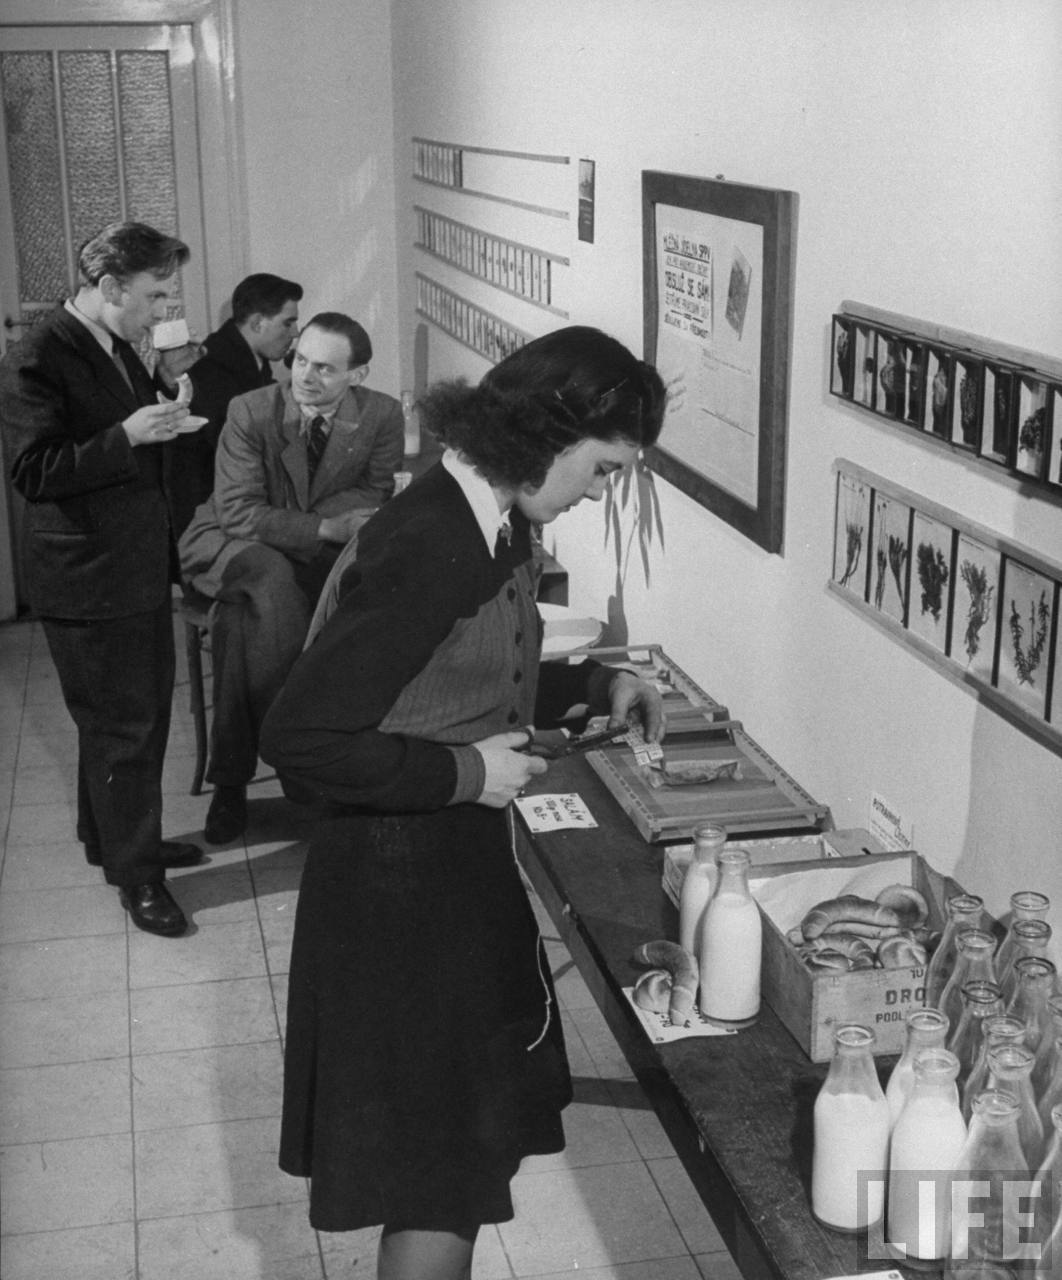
[719, 924]
[961, 1153]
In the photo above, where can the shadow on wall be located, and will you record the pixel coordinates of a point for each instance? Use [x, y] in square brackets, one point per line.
[632, 518]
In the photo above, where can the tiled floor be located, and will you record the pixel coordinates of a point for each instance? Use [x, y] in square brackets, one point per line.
[140, 1076]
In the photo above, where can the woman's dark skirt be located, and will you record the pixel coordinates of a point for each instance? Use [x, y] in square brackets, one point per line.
[424, 1056]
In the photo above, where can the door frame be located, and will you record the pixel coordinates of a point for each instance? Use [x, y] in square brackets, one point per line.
[221, 153]
[221, 157]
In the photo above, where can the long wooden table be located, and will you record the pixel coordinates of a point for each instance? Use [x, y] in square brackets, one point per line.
[738, 1109]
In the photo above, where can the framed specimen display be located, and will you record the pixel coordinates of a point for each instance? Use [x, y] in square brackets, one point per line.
[718, 295]
[986, 399]
[980, 608]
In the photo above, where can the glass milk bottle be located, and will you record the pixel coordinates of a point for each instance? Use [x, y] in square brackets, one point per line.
[1028, 938]
[997, 1028]
[926, 1029]
[698, 886]
[986, 1218]
[1048, 1217]
[981, 1000]
[974, 963]
[964, 912]
[1036, 978]
[927, 1139]
[848, 1165]
[1010, 1068]
[1026, 904]
[731, 945]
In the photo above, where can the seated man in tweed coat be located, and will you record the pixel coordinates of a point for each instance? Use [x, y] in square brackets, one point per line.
[298, 470]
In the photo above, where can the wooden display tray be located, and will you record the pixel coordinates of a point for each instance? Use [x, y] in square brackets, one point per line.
[763, 799]
[686, 705]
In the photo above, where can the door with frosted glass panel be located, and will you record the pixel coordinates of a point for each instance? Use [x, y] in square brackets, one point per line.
[99, 125]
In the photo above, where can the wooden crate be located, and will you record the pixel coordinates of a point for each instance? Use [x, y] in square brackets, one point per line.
[830, 844]
[812, 1005]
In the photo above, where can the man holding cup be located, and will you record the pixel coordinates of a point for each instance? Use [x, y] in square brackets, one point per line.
[85, 435]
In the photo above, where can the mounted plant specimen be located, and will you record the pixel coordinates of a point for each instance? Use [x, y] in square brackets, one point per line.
[933, 576]
[975, 576]
[999, 411]
[850, 534]
[842, 376]
[914, 354]
[1032, 426]
[892, 376]
[966, 414]
[1029, 598]
[974, 611]
[938, 392]
[932, 542]
[892, 540]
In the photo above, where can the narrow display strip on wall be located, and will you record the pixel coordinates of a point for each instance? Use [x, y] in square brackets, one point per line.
[519, 269]
[520, 179]
[982, 610]
[486, 334]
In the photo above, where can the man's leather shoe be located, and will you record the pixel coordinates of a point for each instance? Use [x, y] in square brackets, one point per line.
[152, 909]
[172, 853]
[227, 816]
[175, 853]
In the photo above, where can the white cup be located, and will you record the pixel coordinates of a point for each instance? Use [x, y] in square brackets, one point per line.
[169, 334]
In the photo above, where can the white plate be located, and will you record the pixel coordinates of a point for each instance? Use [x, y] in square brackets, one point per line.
[566, 630]
[192, 423]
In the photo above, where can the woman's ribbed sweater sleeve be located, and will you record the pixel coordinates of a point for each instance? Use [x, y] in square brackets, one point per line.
[322, 734]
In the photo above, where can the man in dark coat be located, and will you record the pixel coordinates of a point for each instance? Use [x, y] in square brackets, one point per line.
[237, 358]
[86, 437]
[298, 470]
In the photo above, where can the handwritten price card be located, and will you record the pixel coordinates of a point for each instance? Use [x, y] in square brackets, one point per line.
[554, 813]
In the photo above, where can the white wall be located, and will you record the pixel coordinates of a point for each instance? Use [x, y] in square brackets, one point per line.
[315, 100]
[924, 138]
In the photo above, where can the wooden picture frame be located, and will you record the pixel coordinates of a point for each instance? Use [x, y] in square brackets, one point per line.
[718, 277]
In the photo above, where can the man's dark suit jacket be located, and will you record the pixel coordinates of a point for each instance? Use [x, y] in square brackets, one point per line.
[97, 528]
[229, 368]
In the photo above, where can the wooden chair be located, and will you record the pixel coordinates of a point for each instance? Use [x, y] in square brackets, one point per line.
[195, 611]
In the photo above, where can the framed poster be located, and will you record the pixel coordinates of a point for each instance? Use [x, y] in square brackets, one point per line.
[718, 301]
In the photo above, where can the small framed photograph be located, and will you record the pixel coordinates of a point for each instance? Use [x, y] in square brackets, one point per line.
[999, 411]
[938, 394]
[1054, 691]
[932, 580]
[891, 392]
[972, 635]
[1032, 437]
[914, 358]
[1028, 603]
[851, 535]
[863, 372]
[842, 358]
[966, 401]
[890, 569]
[1054, 434]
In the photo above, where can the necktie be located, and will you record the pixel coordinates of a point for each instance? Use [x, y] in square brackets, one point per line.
[504, 539]
[316, 440]
[122, 354]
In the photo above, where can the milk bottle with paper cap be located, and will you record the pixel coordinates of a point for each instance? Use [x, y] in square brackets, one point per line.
[731, 947]
[699, 885]
[849, 1160]
[926, 1140]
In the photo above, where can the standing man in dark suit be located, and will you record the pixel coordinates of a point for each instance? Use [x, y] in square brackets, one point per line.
[85, 435]
[298, 471]
[237, 358]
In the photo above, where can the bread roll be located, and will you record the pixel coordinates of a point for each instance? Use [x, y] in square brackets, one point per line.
[652, 991]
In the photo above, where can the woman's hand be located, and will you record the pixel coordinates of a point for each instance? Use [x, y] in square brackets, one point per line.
[508, 767]
[634, 699]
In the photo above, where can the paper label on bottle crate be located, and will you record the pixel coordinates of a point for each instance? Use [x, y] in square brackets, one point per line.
[886, 825]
